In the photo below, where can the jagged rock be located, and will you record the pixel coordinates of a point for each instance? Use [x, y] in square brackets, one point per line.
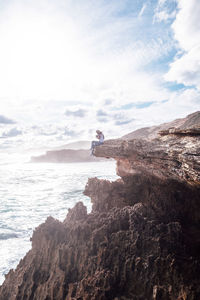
[122, 254]
[140, 242]
[169, 199]
[76, 214]
[111, 194]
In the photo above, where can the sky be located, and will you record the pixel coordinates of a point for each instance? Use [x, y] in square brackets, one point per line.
[69, 67]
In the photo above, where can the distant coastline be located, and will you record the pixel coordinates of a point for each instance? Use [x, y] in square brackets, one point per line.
[66, 156]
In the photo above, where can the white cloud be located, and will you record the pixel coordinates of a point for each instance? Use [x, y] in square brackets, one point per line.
[48, 54]
[179, 105]
[163, 15]
[13, 132]
[80, 113]
[76, 56]
[5, 120]
[187, 26]
[186, 68]
[144, 6]
[165, 10]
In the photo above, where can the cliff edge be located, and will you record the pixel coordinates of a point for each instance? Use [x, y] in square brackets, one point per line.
[140, 242]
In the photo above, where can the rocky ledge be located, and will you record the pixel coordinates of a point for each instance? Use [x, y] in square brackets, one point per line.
[140, 242]
[171, 156]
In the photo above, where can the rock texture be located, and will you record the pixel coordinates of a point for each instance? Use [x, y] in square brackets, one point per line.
[140, 242]
[173, 156]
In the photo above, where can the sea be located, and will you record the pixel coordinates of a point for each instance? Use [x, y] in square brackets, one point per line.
[30, 192]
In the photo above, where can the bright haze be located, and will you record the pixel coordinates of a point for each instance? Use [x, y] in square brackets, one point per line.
[68, 68]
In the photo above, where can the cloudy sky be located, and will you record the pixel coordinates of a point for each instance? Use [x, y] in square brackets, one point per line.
[70, 67]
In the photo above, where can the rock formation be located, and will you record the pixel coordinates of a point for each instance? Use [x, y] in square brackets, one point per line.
[140, 242]
[149, 133]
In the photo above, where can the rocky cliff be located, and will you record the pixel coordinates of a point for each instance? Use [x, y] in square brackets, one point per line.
[148, 133]
[140, 242]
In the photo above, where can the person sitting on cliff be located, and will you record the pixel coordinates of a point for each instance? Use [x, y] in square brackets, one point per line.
[100, 137]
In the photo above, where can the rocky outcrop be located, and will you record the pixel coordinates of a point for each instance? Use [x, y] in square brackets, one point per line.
[184, 132]
[149, 133]
[122, 254]
[168, 157]
[140, 242]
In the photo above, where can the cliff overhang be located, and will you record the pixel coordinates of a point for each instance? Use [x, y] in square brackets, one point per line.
[171, 156]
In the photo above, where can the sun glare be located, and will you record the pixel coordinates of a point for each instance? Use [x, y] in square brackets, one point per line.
[40, 54]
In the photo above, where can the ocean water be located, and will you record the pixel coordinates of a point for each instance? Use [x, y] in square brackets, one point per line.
[29, 193]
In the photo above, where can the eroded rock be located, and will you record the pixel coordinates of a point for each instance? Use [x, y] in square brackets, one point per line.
[175, 157]
[140, 242]
[123, 254]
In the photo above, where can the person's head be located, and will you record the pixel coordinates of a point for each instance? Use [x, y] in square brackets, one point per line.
[98, 131]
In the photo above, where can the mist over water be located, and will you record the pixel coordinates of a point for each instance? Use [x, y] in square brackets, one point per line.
[29, 193]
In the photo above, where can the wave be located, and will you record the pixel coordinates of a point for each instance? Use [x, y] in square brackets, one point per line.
[6, 236]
